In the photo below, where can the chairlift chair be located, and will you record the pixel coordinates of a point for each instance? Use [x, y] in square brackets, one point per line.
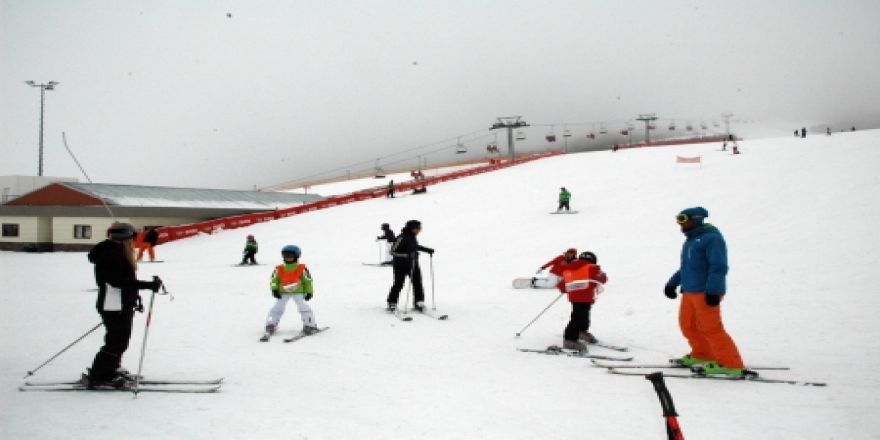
[567, 133]
[520, 136]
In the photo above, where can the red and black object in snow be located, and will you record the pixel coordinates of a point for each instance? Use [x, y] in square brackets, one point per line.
[673, 431]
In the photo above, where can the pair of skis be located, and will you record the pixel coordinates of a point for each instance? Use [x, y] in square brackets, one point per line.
[674, 370]
[198, 386]
[406, 317]
[266, 336]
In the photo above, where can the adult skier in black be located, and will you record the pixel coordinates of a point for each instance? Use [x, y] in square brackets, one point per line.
[118, 299]
[406, 263]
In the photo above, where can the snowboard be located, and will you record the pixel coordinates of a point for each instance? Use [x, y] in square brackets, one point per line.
[564, 212]
[522, 283]
[247, 265]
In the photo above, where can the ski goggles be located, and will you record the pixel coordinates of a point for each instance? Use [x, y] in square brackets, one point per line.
[682, 218]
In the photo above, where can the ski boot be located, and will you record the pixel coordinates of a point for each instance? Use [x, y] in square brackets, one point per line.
[270, 330]
[115, 381]
[715, 369]
[419, 306]
[587, 337]
[688, 361]
[309, 330]
[392, 307]
[574, 345]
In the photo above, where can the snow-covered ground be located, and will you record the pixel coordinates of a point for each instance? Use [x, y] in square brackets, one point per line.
[797, 214]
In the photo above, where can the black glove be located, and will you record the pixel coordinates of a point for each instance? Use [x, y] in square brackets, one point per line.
[276, 293]
[157, 284]
[429, 251]
[670, 292]
[308, 296]
[713, 300]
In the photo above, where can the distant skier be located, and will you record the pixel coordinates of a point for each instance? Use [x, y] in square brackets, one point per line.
[557, 268]
[250, 251]
[149, 240]
[702, 277]
[796, 133]
[803, 132]
[406, 264]
[386, 240]
[389, 193]
[564, 198]
[118, 299]
[583, 280]
[291, 280]
[827, 131]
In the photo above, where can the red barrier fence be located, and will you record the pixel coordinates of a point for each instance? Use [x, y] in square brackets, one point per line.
[667, 142]
[171, 233]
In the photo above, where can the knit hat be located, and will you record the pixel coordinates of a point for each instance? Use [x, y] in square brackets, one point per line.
[412, 224]
[697, 214]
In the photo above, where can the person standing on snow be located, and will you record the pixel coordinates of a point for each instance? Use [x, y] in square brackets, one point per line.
[118, 299]
[406, 264]
[583, 281]
[291, 280]
[250, 251]
[386, 241]
[564, 198]
[557, 268]
[148, 243]
[702, 277]
[389, 193]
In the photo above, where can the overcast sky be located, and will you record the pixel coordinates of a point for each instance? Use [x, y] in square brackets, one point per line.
[179, 93]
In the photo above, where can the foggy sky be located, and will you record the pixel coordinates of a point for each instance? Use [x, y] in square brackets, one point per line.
[178, 93]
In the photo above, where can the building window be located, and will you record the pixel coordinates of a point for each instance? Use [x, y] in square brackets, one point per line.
[10, 229]
[82, 231]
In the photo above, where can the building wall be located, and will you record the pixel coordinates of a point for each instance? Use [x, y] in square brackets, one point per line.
[63, 228]
[35, 231]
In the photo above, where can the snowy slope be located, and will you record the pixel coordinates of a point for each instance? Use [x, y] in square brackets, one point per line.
[797, 214]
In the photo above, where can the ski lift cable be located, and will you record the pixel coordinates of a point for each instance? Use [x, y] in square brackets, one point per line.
[355, 165]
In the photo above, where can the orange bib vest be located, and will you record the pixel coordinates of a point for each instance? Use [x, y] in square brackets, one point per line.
[289, 278]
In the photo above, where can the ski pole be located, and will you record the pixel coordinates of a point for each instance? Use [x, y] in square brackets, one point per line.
[137, 378]
[31, 372]
[519, 333]
[673, 431]
[433, 300]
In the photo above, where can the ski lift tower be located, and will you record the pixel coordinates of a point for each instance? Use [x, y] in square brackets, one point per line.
[647, 118]
[510, 123]
[726, 117]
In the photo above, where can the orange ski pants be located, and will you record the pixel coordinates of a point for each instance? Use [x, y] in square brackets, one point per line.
[705, 333]
[146, 247]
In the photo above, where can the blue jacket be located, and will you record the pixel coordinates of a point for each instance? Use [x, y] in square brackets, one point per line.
[703, 262]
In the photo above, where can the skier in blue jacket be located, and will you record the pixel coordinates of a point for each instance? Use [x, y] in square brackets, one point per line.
[702, 277]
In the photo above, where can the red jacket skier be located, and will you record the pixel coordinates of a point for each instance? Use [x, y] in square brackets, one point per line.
[583, 280]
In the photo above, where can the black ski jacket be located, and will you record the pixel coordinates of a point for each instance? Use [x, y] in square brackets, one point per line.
[151, 237]
[388, 236]
[112, 268]
[406, 249]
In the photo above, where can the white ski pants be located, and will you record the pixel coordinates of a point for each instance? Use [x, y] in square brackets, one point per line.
[275, 313]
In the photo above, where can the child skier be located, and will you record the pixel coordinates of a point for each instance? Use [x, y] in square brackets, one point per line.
[557, 266]
[583, 281]
[386, 240]
[291, 280]
[564, 198]
[250, 251]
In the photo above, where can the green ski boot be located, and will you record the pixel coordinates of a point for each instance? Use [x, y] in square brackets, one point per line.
[715, 369]
[689, 361]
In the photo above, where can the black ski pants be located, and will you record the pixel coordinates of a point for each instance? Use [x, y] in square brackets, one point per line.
[563, 205]
[249, 257]
[401, 271]
[580, 321]
[118, 326]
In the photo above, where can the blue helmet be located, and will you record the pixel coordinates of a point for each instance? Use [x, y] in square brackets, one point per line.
[291, 249]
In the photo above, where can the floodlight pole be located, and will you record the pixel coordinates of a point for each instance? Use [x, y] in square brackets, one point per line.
[647, 118]
[726, 117]
[510, 123]
[43, 87]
